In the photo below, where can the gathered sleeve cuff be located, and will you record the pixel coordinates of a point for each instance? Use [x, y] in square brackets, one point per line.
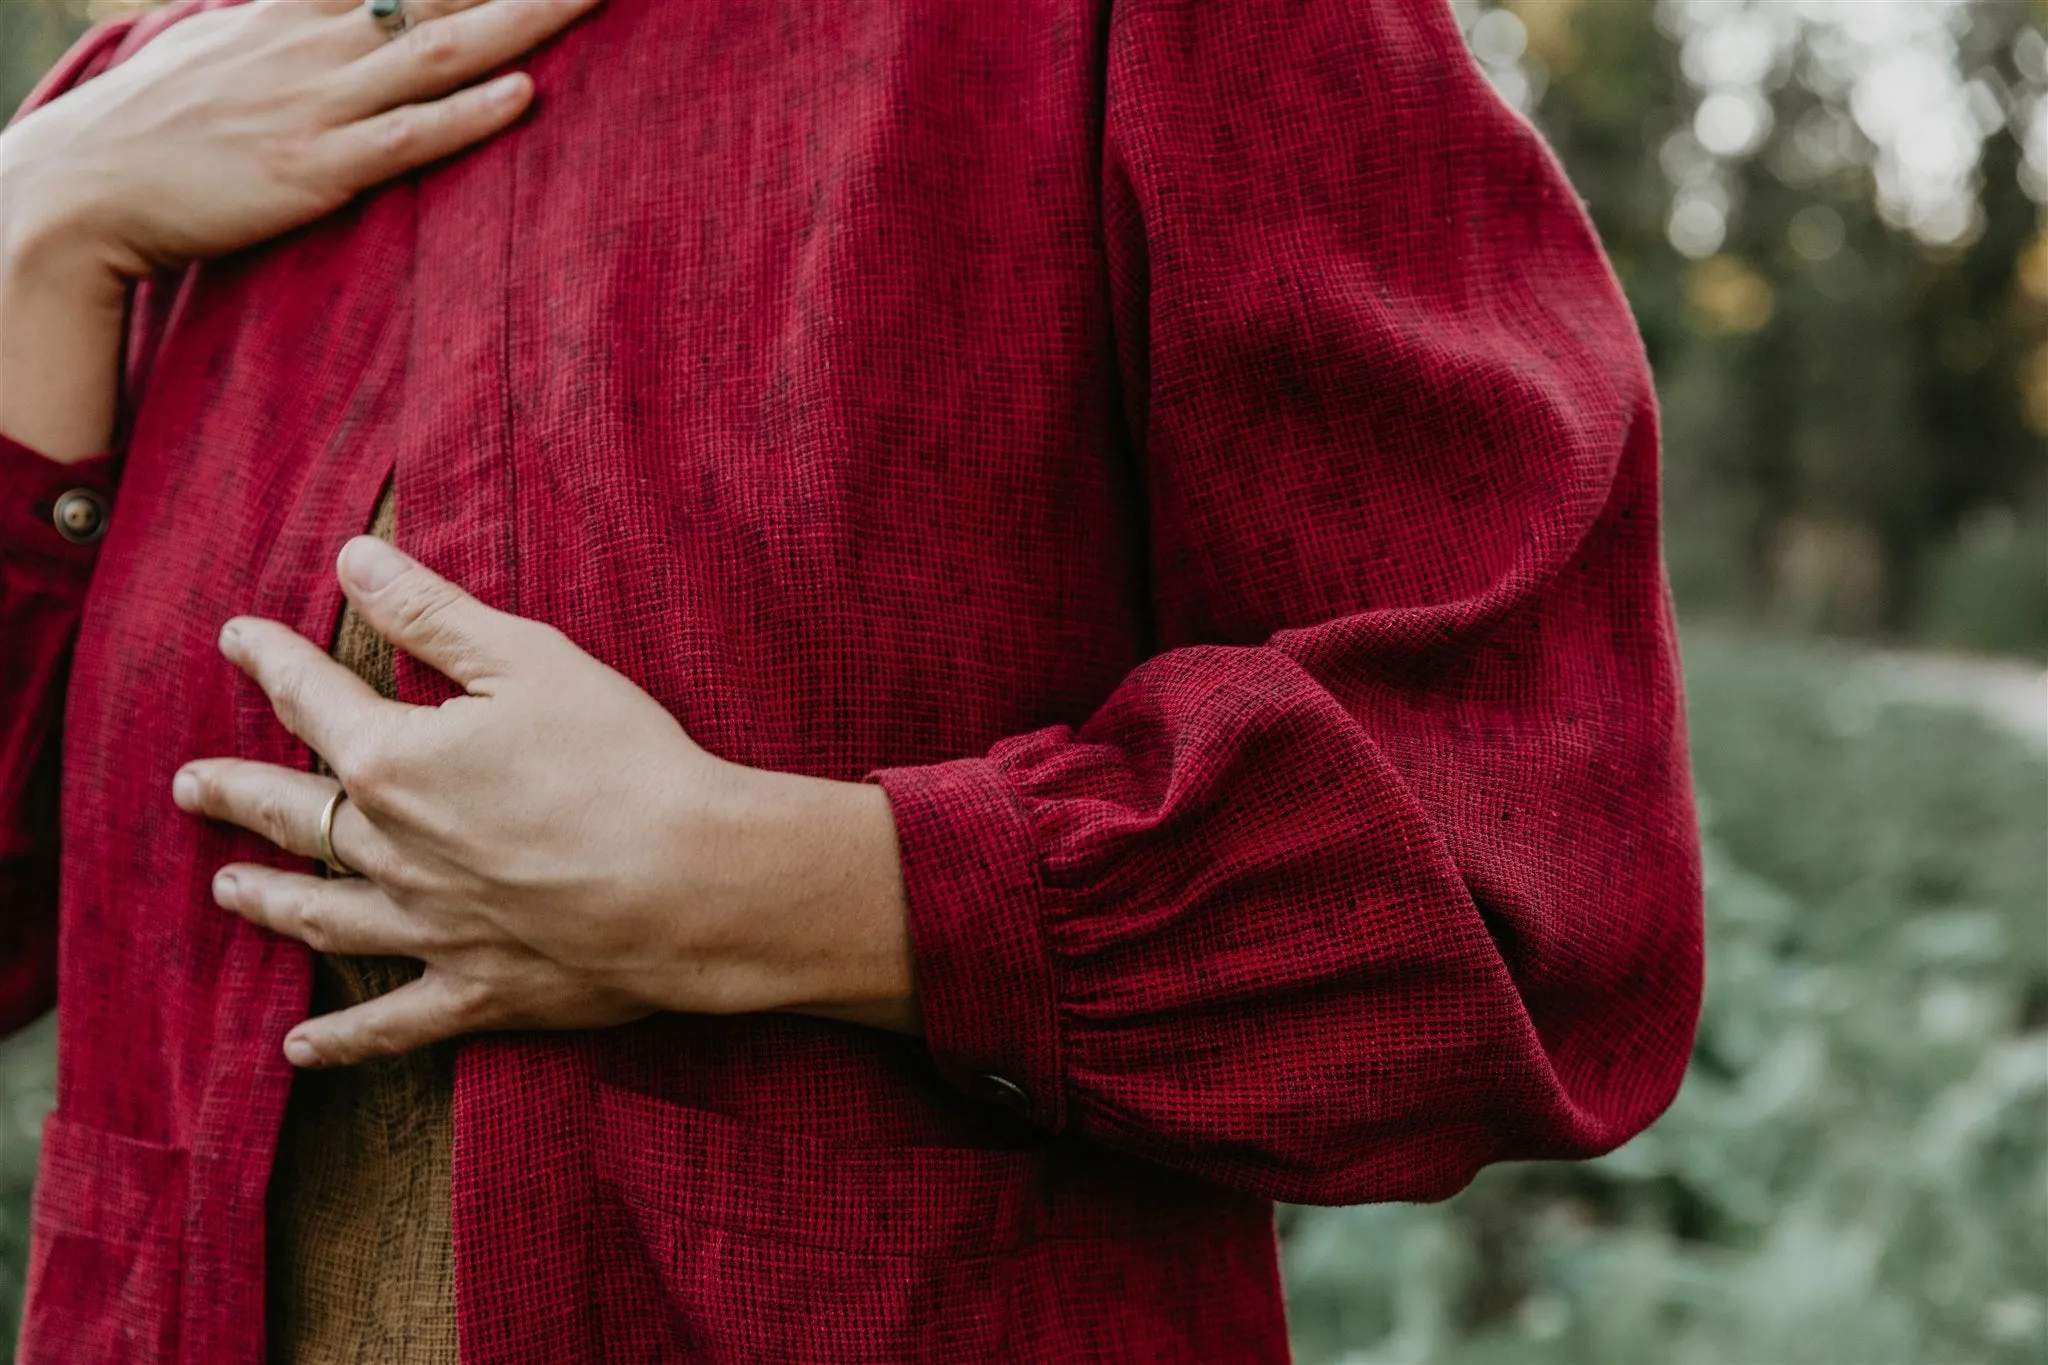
[985, 980]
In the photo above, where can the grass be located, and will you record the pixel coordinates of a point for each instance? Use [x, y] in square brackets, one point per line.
[1856, 1172]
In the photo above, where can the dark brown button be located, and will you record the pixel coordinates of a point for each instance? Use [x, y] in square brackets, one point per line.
[80, 516]
[1002, 1090]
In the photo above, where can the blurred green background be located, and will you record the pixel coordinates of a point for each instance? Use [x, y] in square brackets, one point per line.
[1829, 217]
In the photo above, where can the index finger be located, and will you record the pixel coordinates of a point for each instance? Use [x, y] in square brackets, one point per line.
[321, 701]
[420, 1012]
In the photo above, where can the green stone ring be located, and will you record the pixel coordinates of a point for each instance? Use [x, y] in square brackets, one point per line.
[389, 15]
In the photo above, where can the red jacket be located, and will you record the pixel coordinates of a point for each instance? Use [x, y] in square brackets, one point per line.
[1191, 452]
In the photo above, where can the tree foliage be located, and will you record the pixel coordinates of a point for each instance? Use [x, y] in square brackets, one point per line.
[1825, 217]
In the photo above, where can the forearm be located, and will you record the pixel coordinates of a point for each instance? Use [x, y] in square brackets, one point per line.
[62, 315]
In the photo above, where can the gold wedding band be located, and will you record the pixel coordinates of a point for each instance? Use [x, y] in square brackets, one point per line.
[327, 855]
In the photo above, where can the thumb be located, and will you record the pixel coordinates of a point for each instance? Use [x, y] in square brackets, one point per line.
[425, 615]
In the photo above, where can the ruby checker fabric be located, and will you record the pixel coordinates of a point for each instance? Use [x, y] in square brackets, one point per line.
[1191, 452]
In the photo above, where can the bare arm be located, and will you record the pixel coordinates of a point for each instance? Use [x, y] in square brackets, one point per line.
[61, 319]
[235, 126]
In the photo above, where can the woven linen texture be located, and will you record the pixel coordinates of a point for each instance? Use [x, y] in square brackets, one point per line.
[1192, 453]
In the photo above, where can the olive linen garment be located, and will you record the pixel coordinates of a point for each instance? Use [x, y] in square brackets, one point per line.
[1190, 453]
[361, 1266]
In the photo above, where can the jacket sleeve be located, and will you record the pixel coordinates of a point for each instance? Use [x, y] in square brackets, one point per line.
[43, 579]
[1385, 867]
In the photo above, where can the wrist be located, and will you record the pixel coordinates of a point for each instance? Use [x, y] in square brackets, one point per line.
[53, 225]
[66, 313]
[824, 892]
[40, 264]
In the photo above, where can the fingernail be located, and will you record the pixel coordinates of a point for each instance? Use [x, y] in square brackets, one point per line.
[507, 89]
[371, 563]
[230, 639]
[299, 1052]
[185, 790]
[224, 887]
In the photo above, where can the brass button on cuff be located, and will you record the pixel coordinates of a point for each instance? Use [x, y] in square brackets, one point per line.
[80, 516]
[1002, 1090]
